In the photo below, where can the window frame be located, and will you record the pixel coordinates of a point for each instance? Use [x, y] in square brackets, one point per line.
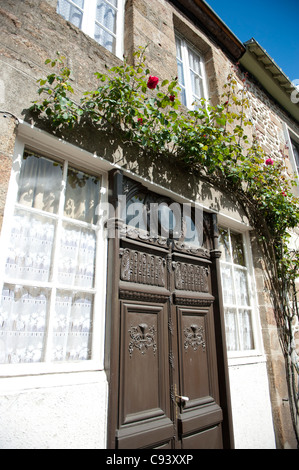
[40, 142]
[294, 142]
[290, 137]
[89, 21]
[252, 294]
[296, 158]
[186, 69]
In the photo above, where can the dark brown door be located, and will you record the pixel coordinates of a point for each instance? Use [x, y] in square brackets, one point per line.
[164, 366]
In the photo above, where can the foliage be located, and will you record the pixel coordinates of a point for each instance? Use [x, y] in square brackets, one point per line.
[57, 104]
[199, 137]
[208, 140]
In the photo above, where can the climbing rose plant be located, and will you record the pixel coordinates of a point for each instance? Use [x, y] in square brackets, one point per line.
[209, 141]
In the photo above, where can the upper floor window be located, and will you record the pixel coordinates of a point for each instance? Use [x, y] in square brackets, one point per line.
[237, 294]
[292, 144]
[100, 19]
[190, 72]
[295, 148]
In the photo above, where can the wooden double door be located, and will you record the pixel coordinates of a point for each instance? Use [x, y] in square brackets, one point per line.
[168, 383]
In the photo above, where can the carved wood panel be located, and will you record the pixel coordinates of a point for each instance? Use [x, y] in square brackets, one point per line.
[142, 268]
[144, 385]
[202, 413]
[143, 337]
[191, 277]
[166, 339]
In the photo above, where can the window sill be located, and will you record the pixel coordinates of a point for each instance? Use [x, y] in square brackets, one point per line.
[41, 369]
[32, 382]
[253, 358]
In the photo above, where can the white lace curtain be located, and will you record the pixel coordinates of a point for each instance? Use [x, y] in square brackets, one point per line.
[72, 327]
[238, 328]
[40, 187]
[70, 12]
[23, 321]
[25, 310]
[238, 312]
[96, 18]
[296, 154]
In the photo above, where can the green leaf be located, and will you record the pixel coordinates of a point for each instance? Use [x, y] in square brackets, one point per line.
[51, 78]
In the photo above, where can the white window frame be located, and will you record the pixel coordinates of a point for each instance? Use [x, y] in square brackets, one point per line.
[296, 145]
[252, 293]
[48, 146]
[289, 137]
[89, 21]
[186, 70]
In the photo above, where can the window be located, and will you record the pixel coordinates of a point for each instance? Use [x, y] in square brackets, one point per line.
[190, 72]
[237, 300]
[295, 148]
[100, 19]
[292, 144]
[49, 296]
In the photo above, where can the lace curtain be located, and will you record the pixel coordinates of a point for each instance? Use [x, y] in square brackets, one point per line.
[106, 14]
[30, 248]
[70, 13]
[238, 312]
[72, 327]
[195, 75]
[238, 336]
[105, 25]
[77, 257]
[180, 65]
[38, 256]
[23, 321]
[189, 73]
[296, 153]
[98, 19]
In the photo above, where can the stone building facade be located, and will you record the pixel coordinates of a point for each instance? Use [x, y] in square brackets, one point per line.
[71, 403]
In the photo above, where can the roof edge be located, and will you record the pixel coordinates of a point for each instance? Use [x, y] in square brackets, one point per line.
[259, 64]
[202, 14]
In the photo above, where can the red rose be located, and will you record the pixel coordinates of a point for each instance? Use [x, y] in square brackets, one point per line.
[269, 161]
[140, 121]
[152, 82]
[172, 98]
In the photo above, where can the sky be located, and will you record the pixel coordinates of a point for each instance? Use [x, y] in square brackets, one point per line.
[274, 24]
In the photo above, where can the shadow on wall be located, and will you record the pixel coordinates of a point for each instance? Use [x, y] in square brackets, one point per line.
[166, 172]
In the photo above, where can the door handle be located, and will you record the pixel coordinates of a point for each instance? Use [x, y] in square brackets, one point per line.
[181, 398]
